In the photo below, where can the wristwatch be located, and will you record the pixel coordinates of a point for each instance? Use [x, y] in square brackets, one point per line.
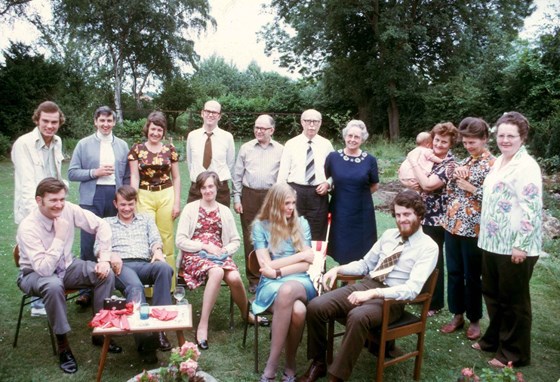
[278, 274]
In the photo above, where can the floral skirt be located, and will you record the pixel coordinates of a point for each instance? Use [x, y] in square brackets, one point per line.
[194, 268]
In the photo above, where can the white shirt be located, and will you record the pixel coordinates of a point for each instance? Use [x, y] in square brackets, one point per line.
[292, 164]
[106, 156]
[223, 153]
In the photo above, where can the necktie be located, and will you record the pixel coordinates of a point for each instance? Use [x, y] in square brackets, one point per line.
[309, 165]
[384, 267]
[207, 158]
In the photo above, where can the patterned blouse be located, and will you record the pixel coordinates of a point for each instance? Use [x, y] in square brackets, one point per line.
[154, 168]
[463, 208]
[436, 201]
[512, 206]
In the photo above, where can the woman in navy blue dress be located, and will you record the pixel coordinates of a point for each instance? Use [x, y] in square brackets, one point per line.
[355, 178]
[282, 243]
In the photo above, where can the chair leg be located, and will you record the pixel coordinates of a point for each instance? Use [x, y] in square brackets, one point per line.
[23, 298]
[52, 337]
[418, 360]
[230, 310]
[246, 324]
[381, 360]
[256, 345]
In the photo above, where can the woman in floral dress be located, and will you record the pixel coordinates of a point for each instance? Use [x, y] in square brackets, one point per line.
[207, 237]
[154, 172]
[511, 239]
[462, 224]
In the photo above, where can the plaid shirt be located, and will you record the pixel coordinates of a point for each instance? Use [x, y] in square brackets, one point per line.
[134, 241]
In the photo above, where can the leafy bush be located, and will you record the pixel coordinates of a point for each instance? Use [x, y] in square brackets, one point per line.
[131, 130]
[5, 146]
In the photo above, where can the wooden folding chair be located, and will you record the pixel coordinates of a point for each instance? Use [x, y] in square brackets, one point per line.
[27, 299]
[409, 324]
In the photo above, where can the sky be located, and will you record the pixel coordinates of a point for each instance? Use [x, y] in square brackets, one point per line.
[235, 37]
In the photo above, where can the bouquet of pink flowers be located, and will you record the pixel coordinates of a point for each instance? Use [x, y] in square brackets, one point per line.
[182, 367]
[506, 374]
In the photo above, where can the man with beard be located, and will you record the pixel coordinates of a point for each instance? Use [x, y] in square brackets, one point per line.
[414, 254]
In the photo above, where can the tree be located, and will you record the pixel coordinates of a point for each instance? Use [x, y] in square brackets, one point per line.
[139, 38]
[176, 97]
[12, 6]
[377, 52]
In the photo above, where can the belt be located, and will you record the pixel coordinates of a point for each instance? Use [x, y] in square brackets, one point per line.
[155, 188]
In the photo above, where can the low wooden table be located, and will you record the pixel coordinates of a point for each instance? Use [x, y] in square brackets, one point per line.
[181, 322]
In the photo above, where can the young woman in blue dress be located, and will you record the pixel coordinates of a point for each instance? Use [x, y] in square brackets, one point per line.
[282, 242]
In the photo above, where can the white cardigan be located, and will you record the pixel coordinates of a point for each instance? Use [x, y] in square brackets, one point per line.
[187, 224]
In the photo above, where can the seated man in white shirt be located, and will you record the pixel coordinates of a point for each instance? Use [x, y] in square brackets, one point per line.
[415, 254]
[136, 240]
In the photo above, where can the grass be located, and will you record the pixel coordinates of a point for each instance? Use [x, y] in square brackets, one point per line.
[445, 355]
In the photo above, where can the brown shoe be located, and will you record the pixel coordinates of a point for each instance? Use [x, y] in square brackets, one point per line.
[332, 378]
[453, 326]
[473, 332]
[316, 370]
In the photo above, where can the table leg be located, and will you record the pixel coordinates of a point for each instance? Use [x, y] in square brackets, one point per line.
[104, 351]
[180, 337]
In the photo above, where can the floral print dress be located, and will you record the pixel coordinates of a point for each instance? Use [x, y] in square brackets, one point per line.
[194, 267]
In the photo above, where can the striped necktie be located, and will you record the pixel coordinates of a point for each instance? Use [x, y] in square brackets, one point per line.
[309, 165]
[384, 267]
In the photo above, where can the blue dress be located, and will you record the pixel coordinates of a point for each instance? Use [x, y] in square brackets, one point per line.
[267, 289]
[353, 228]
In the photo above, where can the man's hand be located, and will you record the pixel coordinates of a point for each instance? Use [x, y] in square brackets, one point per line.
[116, 263]
[102, 269]
[158, 255]
[359, 297]
[329, 278]
[60, 226]
[104, 170]
[238, 208]
[322, 188]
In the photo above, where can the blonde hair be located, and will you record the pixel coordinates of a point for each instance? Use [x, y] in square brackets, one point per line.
[281, 228]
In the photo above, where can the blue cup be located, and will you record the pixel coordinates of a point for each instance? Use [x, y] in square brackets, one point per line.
[144, 311]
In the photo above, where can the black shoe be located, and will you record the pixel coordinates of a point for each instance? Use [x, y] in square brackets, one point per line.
[203, 344]
[164, 344]
[149, 357]
[68, 363]
[113, 347]
[84, 300]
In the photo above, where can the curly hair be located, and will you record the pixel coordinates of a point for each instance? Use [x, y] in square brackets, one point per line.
[446, 129]
[409, 199]
[281, 228]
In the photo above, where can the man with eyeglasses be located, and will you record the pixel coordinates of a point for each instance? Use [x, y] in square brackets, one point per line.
[303, 167]
[211, 149]
[256, 170]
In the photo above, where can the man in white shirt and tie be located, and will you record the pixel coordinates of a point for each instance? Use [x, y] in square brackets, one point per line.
[211, 149]
[303, 167]
[397, 266]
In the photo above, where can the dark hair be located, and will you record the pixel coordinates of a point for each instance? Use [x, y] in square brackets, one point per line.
[472, 127]
[517, 119]
[158, 119]
[446, 129]
[50, 186]
[48, 107]
[203, 177]
[409, 199]
[127, 192]
[104, 110]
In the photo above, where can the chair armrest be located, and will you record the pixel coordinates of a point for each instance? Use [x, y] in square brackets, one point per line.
[345, 278]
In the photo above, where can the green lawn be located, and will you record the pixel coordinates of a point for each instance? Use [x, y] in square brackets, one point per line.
[445, 355]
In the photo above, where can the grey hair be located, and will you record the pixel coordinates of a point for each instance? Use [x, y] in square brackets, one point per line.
[359, 124]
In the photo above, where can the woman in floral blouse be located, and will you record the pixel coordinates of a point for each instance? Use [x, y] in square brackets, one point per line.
[154, 172]
[462, 224]
[510, 237]
[432, 188]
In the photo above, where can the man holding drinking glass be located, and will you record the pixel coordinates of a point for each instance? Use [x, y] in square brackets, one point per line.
[137, 241]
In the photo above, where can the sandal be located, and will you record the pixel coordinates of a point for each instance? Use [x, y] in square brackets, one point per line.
[264, 378]
[494, 362]
[263, 321]
[288, 378]
[476, 346]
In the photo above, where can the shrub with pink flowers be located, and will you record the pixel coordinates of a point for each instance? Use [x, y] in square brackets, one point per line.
[506, 374]
[182, 367]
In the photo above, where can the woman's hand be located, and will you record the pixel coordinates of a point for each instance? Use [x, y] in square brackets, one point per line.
[518, 256]
[461, 172]
[268, 271]
[175, 212]
[465, 185]
[212, 249]
[307, 255]
[412, 184]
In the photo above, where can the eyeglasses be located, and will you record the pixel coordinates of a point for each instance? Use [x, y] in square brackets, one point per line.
[501, 137]
[312, 121]
[263, 129]
[211, 113]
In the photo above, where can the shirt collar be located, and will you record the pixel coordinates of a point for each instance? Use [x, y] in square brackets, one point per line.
[46, 222]
[104, 138]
